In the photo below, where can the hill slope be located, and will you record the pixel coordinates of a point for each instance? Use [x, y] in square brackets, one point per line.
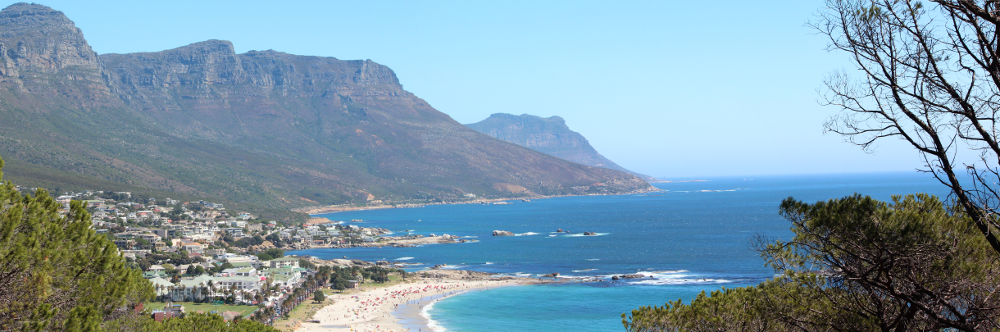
[265, 128]
[547, 135]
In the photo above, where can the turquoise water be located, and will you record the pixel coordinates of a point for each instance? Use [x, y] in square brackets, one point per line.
[693, 236]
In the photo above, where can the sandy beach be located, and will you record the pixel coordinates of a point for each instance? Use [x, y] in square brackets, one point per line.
[372, 310]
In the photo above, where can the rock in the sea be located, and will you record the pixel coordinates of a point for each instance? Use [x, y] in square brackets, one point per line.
[589, 233]
[614, 278]
[503, 233]
[559, 230]
[551, 275]
[631, 276]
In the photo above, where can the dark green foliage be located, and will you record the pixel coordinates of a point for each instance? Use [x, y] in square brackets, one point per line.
[318, 296]
[856, 264]
[247, 241]
[220, 267]
[56, 273]
[275, 252]
[274, 238]
[191, 322]
[340, 275]
[307, 264]
[270, 254]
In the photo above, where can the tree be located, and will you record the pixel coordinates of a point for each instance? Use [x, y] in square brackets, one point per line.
[275, 252]
[856, 264]
[318, 296]
[143, 264]
[190, 270]
[931, 77]
[193, 321]
[274, 238]
[57, 273]
[340, 284]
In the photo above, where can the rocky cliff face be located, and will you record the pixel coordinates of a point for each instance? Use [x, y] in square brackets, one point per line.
[547, 135]
[264, 127]
[43, 52]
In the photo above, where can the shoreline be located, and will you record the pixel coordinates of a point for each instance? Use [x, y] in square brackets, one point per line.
[418, 314]
[327, 209]
[400, 307]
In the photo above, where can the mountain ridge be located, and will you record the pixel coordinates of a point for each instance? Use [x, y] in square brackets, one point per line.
[262, 127]
[547, 135]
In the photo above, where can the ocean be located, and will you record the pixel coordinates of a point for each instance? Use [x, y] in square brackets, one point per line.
[690, 237]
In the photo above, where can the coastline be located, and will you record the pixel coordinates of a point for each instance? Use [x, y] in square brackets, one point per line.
[316, 210]
[401, 307]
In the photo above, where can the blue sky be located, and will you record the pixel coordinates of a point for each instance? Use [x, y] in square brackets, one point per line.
[675, 89]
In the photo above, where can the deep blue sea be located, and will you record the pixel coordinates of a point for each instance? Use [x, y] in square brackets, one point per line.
[690, 237]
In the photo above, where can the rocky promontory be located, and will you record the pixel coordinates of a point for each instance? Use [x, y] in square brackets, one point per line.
[547, 135]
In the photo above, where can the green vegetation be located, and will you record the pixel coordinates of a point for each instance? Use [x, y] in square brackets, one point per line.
[270, 254]
[195, 322]
[928, 76]
[318, 296]
[58, 274]
[194, 307]
[856, 264]
[339, 276]
[302, 312]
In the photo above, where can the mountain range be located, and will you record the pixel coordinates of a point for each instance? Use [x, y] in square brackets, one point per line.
[261, 128]
[548, 135]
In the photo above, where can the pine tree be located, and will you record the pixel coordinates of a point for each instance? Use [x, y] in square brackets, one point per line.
[56, 273]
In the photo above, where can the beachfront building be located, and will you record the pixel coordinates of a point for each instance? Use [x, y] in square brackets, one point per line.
[161, 285]
[246, 272]
[155, 274]
[252, 260]
[285, 276]
[283, 262]
[241, 283]
[191, 289]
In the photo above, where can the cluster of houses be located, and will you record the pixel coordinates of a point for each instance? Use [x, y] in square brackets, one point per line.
[330, 234]
[247, 278]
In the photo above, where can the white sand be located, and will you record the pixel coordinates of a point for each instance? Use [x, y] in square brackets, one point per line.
[372, 310]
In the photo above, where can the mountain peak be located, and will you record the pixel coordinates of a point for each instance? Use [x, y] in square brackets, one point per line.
[39, 44]
[547, 135]
[30, 10]
[26, 21]
[266, 128]
[213, 46]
